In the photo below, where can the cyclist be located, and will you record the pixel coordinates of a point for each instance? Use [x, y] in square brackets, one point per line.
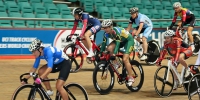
[178, 49]
[93, 26]
[122, 38]
[187, 17]
[56, 61]
[144, 25]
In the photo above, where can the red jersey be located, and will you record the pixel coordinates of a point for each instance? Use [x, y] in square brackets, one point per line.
[175, 48]
[184, 14]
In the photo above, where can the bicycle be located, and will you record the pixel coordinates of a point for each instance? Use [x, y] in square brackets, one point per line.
[194, 86]
[153, 52]
[185, 38]
[167, 78]
[106, 66]
[78, 49]
[71, 89]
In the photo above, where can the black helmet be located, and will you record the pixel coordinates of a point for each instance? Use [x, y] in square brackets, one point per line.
[77, 11]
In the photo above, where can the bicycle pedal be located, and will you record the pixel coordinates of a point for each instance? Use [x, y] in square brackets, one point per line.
[88, 60]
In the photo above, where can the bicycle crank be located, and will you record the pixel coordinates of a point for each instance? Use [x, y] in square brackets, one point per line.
[88, 60]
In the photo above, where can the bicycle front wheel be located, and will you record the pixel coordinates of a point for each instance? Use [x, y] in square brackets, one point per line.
[29, 92]
[76, 60]
[194, 88]
[75, 92]
[163, 81]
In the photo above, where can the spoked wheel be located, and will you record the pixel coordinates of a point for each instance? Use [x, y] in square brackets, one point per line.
[194, 87]
[138, 75]
[77, 62]
[103, 78]
[163, 81]
[75, 92]
[29, 92]
[196, 44]
[153, 51]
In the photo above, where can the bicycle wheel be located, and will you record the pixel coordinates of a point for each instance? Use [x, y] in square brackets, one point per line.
[153, 51]
[138, 75]
[161, 81]
[194, 87]
[102, 72]
[29, 92]
[196, 38]
[77, 62]
[187, 79]
[75, 92]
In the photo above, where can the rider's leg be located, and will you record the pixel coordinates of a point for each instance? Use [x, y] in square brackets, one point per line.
[186, 54]
[111, 48]
[189, 32]
[63, 75]
[47, 84]
[146, 33]
[87, 43]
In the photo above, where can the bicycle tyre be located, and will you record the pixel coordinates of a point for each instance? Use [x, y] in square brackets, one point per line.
[71, 95]
[78, 66]
[196, 38]
[159, 78]
[99, 67]
[192, 88]
[139, 86]
[153, 51]
[20, 88]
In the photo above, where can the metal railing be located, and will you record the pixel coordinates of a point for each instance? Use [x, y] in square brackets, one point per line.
[61, 19]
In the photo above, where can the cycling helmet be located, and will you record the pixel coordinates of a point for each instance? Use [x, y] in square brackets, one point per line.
[77, 11]
[169, 33]
[177, 4]
[106, 23]
[35, 45]
[133, 10]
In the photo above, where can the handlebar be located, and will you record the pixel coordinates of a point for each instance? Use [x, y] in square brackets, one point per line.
[35, 75]
[69, 39]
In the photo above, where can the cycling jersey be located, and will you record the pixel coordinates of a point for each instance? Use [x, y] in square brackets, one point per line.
[52, 55]
[87, 21]
[175, 48]
[119, 35]
[141, 19]
[184, 14]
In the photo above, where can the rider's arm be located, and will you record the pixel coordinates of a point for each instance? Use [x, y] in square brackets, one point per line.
[74, 27]
[163, 53]
[183, 17]
[49, 64]
[85, 20]
[174, 20]
[198, 59]
[103, 45]
[178, 49]
[117, 40]
[34, 68]
[129, 25]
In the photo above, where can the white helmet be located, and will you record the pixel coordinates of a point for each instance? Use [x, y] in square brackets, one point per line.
[177, 4]
[133, 10]
[106, 23]
[35, 45]
[169, 33]
[77, 11]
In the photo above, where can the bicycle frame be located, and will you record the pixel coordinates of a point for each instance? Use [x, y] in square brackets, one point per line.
[80, 44]
[180, 77]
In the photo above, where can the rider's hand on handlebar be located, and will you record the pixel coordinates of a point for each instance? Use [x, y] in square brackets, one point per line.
[38, 81]
[158, 63]
[24, 81]
[175, 63]
[68, 38]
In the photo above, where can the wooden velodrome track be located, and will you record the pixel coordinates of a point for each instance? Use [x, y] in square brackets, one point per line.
[11, 69]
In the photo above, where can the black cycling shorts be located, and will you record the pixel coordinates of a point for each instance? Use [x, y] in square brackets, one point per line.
[64, 67]
[191, 21]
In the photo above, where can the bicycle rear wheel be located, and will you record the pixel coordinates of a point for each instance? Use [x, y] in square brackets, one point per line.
[75, 92]
[77, 62]
[194, 88]
[153, 51]
[196, 44]
[162, 85]
[29, 92]
[138, 75]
